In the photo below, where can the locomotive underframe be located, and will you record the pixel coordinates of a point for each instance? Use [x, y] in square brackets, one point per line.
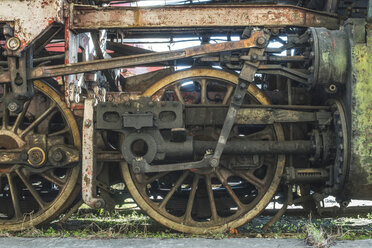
[330, 63]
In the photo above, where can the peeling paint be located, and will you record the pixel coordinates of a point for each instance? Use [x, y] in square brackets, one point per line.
[361, 148]
[30, 18]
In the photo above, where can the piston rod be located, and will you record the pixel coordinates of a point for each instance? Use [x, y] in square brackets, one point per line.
[258, 147]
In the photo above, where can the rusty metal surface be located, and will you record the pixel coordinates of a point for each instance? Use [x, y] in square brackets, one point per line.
[142, 59]
[86, 17]
[88, 173]
[30, 18]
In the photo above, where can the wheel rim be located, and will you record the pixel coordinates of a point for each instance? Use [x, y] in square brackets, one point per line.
[204, 187]
[30, 198]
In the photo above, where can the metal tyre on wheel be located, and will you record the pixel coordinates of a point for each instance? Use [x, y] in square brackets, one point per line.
[31, 196]
[208, 200]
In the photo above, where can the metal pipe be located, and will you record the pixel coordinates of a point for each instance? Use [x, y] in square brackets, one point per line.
[240, 147]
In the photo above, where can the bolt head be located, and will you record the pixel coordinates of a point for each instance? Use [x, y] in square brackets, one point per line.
[261, 41]
[213, 162]
[238, 97]
[136, 169]
[13, 106]
[88, 123]
[36, 156]
[243, 85]
[57, 155]
[13, 43]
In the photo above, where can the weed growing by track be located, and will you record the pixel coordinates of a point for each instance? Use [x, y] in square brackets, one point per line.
[129, 223]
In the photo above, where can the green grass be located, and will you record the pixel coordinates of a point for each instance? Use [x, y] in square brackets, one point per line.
[129, 223]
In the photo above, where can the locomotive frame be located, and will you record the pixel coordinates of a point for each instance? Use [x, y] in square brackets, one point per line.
[293, 127]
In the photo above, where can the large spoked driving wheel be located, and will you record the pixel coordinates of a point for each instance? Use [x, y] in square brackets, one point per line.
[35, 193]
[209, 200]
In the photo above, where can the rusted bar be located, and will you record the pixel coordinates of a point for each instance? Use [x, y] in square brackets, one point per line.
[88, 174]
[252, 116]
[142, 59]
[88, 18]
[109, 156]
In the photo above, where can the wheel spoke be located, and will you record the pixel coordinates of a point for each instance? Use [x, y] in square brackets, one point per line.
[249, 177]
[203, 85]
[191, 199]
[158, 95]
[20, 117]
[32, 190]
[174, 188]
[155, 177]
[15, 197]
[212, 203]
[60, 132]
[51, 178]
[229, 190]
[228, 94]
[261, 135]
[39, 119]
[178, 93]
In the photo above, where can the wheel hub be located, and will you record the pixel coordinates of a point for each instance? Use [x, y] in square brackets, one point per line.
[36, 157]
[10, 140]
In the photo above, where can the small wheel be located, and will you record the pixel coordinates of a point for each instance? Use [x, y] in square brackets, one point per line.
[32, 196]
[208, 200]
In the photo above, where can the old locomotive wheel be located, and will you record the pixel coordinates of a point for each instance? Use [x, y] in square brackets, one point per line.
[36, 193]
[207, 200]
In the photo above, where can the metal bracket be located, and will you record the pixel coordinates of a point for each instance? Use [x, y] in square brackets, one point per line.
[22, 88]
[89, 189]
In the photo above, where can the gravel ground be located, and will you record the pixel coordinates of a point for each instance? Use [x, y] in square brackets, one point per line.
[167, 243]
